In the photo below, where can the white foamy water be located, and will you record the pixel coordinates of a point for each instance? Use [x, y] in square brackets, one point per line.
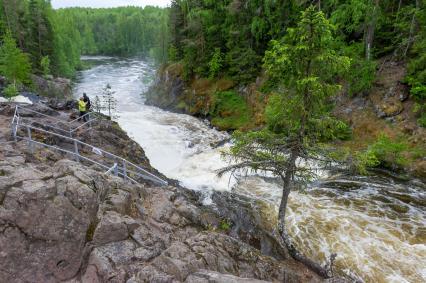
[376, 225]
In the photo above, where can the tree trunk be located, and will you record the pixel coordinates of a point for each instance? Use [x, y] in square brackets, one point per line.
[288, 183]
[412, 30]
[370, 30]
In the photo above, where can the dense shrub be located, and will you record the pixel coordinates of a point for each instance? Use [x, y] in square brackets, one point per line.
[229, 111]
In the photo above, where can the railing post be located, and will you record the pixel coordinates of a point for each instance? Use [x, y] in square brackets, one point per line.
[116, 169]
[90, 121]
[14, 130]
[124, 170]
[30, 144]
[76, 151]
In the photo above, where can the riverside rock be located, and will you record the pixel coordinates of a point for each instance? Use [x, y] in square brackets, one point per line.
[62, 221]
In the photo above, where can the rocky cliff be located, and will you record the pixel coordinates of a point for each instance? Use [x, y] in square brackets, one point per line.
[386, 108]
[63, 221]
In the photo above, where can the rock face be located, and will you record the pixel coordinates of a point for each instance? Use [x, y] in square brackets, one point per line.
[67, 222]
[58, 88]
[168, 89]
[61, 221]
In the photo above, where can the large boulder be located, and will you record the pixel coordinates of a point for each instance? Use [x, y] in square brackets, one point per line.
[53, 87]
[206, 276]
[68, 222]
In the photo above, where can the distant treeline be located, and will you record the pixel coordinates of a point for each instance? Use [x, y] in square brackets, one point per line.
[120, 31]
[54, 40]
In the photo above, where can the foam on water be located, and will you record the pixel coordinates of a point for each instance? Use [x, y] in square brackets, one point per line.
[376, 225]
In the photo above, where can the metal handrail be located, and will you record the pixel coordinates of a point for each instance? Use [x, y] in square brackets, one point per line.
[70, 130]
[36, 112]
[124, 172]
[50, 126]
[76, 119]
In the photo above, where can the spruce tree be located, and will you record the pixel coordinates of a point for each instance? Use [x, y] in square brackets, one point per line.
[14, 64]
[305, 69]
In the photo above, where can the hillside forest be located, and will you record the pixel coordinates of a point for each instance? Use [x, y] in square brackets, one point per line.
[229, 38]
[225, 49]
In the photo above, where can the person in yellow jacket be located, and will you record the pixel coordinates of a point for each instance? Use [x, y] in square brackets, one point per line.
[82, 107]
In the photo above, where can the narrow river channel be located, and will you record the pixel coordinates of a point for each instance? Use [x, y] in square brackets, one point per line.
[376, 224]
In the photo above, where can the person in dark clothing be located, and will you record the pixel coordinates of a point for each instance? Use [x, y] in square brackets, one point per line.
[87, 101]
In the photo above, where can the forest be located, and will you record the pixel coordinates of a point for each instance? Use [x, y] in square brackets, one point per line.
[228, 38]
[52, 41]
[216, 38]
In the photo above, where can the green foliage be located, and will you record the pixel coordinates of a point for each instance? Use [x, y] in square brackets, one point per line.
[422, 119]
[303, 65]
[225, 225]
[123, 31]
[14, 64]
[41, 35]
[45, 65]
[389, 152]
[240, 30]
[361, 74]
[364, 160]
[243, 29]
[10, 91]
[243, 64]
[229, 111]
[385, 152]
[63, 35]
[215, 63]
[417, 67]
[172, 54]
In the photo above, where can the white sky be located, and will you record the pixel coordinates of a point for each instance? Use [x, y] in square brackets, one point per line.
[107, 3]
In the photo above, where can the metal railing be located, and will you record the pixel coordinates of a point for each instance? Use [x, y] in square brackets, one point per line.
[110, 162]
[65, 127]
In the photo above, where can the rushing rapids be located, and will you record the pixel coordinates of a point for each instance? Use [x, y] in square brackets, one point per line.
[376, 224]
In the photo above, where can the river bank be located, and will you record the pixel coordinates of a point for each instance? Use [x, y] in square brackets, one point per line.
[387, 110]
[63, 221]
[375, 223]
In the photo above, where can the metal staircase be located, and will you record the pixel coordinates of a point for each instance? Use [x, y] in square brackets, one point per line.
[24, 128]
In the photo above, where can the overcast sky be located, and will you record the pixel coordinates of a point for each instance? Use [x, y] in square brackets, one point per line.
[107, 3]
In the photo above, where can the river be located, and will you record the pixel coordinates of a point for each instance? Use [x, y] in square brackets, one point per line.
[376, 224]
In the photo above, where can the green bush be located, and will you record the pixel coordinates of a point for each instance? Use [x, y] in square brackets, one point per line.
[10, 91]
[389, 153]
[420, 110]
[362, 72]
[363, 160]
[243, 64]
[225, 225]
[229, 111]
[172, 54]
[333, 129]
[45, 65]
[215, 63]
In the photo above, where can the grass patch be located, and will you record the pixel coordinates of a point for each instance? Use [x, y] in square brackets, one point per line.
[225, 225]
[91, 231]
[229, 111]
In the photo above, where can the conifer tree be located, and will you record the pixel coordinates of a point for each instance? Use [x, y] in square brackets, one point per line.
[14, 64]
[304, 67]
